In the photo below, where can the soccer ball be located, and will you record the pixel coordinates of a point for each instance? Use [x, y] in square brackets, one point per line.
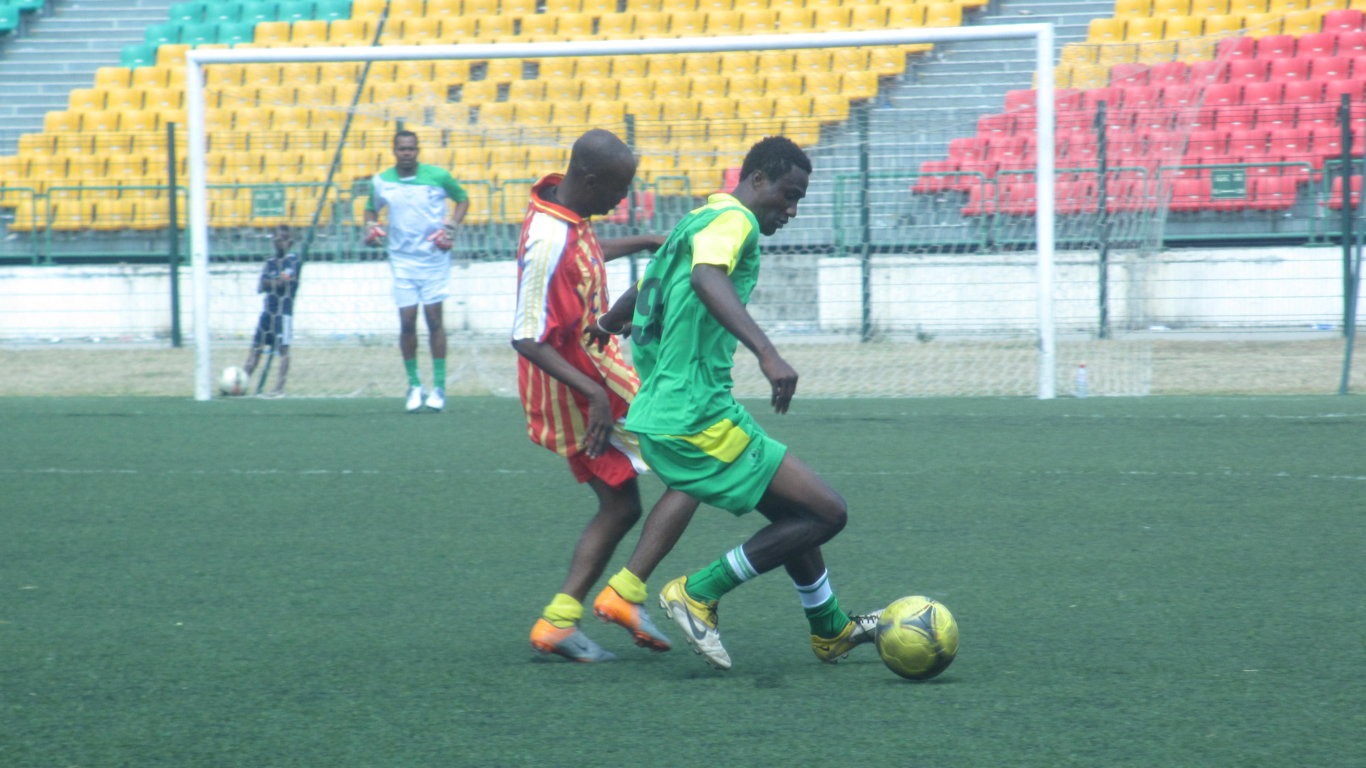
[233, 382]
[917, 637]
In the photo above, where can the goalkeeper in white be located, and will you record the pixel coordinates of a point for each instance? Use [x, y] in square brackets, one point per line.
[422, 222]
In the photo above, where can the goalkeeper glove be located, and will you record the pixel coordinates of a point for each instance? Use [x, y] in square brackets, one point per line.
[441, 238]
[375, 234]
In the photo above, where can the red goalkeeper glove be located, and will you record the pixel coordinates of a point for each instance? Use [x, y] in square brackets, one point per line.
[375, 234]
[441, 239]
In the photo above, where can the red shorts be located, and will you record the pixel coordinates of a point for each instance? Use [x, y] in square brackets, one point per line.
[612, 467]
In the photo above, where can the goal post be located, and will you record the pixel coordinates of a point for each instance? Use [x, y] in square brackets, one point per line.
[197, 60]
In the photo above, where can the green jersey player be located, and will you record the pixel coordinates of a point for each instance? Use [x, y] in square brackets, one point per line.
[689, 314]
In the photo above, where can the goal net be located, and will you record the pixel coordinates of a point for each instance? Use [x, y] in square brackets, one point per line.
[898, 277]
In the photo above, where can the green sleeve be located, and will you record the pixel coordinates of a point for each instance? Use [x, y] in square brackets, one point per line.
[453, 189]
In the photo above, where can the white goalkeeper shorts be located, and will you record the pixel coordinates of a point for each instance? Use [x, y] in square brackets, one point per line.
[409, 291]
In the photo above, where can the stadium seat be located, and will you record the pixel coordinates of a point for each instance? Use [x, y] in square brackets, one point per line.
[1276, 47]
[1133, 9]
[299, 10]
[272, 33]
[1103, 31]
[1325, 68]
[1343, 20]
[1352, 43]
[1335, 201]
[1317, 44]
[1231, 48]
[1302, 22]
[1223, 25]
[1247, 70]
[1207, 72]
[1287, 70]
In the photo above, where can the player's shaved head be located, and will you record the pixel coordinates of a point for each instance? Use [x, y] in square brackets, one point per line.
[601, 168]
[600, 152]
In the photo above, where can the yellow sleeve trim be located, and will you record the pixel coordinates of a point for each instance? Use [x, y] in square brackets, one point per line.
[719, 242]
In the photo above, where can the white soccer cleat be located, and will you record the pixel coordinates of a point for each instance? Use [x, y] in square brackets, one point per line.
[436, 399]
[414, 399]
[697, 620]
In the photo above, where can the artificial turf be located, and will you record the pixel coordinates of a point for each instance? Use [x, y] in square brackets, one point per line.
[329, 583]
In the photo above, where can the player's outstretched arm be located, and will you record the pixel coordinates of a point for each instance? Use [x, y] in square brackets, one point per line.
[717, 292]
[600, 419]
[624, 246]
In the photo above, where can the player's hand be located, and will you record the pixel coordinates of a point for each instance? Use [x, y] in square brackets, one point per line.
[443, 238]
[600, 421]
[375, 234]
[599, 335]
[782, 377]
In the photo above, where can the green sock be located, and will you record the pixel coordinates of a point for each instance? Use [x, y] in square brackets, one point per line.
[726, 573]
[827, 619]
[410, 365]
[439, 372]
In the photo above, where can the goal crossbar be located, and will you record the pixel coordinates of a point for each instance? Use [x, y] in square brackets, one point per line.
[1040, 33]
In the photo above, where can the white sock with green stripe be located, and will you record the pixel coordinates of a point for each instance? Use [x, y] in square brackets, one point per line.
[822, 608]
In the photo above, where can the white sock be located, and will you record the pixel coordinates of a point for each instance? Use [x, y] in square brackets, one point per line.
[817, 594]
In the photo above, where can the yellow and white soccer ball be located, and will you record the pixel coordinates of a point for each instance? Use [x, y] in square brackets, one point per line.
[233, 381]
[917, 637]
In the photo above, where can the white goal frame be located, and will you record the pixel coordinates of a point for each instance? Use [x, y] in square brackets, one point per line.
[1042, 35]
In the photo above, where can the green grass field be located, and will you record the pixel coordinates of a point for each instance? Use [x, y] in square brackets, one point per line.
[333, 583]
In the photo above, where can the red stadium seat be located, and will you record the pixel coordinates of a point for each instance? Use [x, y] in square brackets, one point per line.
[1190, 195]
[1355, 89]
[1223, 95]
[1272, 193]
[1284, 70]
[1343, 20]
[1302, 92]
[1206, 72]
[1230, 48]
[1330, 68]
[1317, 44]
[1128, 73]
[1335, 197]
[1264, 94]
[1352, 43]
[1247, 70]
[1276, 47]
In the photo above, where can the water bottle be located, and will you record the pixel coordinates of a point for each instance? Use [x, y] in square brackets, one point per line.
[1079, 384]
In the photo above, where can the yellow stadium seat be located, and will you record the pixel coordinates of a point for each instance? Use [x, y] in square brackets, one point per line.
[504, 70]
[814, 61]
[687, 23]
[533, 113]
[1302, 23]
[1184, 27]
[783, 84]
[859, 85]
[672, 87]
[887, 61]
[593, 66]
[943, 15]
[745, 86]
[402, 9]
[739, 63]
[338, 73]
[1247, 6]
[491, 28]
[459, 29]
[426, 30]
[629, 66]
[88, 98]
[795, 20]
[368, 9]
[678, 6]
[163, 98]
[139, 120]
[832, 19]
[479, 92]
[107, 78]
[275, 94]
[451, 70]
[1289, 6]
[527, 90]
[575, 26]
[706, 86]
[444, 8]
[1133, 9]
[1209, 7]
[172, 54]
[651, 24]
[717, 107]
[261, 75]
[761, 21]
[1144, 30]
[830, 107]
[387, 93]
[1262, 24]
[598, 7]
[821, 83]
[291, 119]
[635, 89]
[350, 32]
[152, 77]
[725, 23]
[1101, 31]
[616, 25]
[776, 62]
[1223, 25]
[298, 73]
[309, 32]
[599, 89]
[573, 114]
[315, 95]
[675, 109]
[557, 88]
[62, 120]
[528, 7]
[904, 15]
[1171, 7]
[100, 120]
[272, 33]
[644, 6]
[701, 64]
[542, 25]
[867, 17]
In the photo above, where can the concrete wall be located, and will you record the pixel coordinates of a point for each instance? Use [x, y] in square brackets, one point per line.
[1264, 287]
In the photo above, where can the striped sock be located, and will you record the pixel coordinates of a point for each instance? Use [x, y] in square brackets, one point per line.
[822, 608]
[724, 574]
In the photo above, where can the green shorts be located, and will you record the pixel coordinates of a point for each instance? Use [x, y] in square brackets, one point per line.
[728, 465]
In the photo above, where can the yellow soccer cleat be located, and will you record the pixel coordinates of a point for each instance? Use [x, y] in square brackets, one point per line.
[698, 621]
[611, 607]
[859, 630]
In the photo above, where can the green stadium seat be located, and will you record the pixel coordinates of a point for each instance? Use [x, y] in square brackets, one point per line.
[161, 34]
[9, 19]
[142, 55]
[296, 10]
[223, 13]
[187, 12]
[199, 34]
[331, 10]
[237, 32]
[254, 11]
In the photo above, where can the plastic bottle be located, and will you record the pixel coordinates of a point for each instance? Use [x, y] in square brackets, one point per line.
[1079, 384]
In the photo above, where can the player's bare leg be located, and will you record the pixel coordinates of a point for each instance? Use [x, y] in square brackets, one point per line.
[436, 340]
[622, 600]
[279, 388]
[253, 357]
[407, 346]
[557, 630]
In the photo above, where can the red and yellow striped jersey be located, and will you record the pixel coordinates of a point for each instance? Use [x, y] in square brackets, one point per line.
[561, 290]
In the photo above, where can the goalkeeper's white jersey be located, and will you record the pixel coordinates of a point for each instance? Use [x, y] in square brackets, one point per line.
[417, 209]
